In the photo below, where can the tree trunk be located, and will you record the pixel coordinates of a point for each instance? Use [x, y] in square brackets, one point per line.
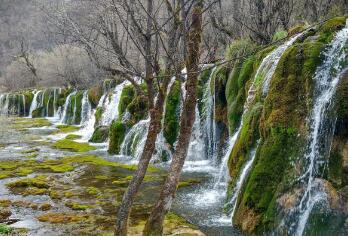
[154, 225]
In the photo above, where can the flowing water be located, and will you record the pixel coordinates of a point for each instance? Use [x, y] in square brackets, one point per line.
[326, 79]
[67, 103]
[110, 106]
[34, 103]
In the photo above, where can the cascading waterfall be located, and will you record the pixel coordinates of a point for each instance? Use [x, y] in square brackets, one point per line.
[213, 192]
[209, 113]
[110, 107]
[34, 103]
[240, 181]
[87, 118]
[64, 117]
[134, 141]
[265, 71]
[86, 108]
[326, 79]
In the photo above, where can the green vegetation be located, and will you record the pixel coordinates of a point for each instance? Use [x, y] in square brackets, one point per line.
[127, 97]
[100, 134]
[117, 133]
[172, 113]
[283, 131]
[279, 35]
[4, 229]
[66, 128]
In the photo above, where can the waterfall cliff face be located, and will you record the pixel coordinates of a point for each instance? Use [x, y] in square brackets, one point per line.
[321, 125]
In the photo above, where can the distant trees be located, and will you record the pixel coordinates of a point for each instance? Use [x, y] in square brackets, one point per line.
[64, 65]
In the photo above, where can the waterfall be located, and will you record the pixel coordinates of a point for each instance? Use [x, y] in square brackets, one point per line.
[326, 79]
[196, 149]
[65, 114]
[135, 139]
[209, 113]
[86, 108]
[74, 111]
[87, 118]
[266, 71]
[269, 64]
[110, 107]
[241, 180]
[34, 103]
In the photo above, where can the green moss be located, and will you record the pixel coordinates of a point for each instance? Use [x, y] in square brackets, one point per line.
[98, 114]
[248, 136]
[127, 97]
[38, 112]
[328, 29]
[77, 206]
[138, 109]
[4, 229]
[73, 136]
[24, 123]
[92, 191]
[117, 133]
[100, 134]
[66, 128]
[236, 91]
[172, 113]
[62, 218]
[66, 144]
[283, 131]
[39, 181]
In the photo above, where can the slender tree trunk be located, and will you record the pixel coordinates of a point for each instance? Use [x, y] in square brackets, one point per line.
[154, 225]
[154, 129]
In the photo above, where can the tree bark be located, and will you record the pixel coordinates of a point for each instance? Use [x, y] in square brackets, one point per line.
[154, 225]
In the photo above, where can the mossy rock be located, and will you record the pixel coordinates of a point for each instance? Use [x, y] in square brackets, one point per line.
[98, 115]
[94, 94]
[283, 130]
[127, 97]
[38, 112]
[246, 141]
[138, 109]
[66, 144]
[172, 113]
[117, 134]
[73, 136]
[66, 128]
[100, 134]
